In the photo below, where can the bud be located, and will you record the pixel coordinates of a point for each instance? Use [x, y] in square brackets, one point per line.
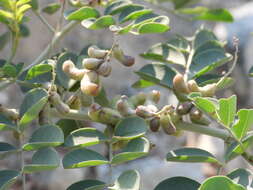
[59, 105]
[92, 63]
[70, 69]
[167, 125]
[124, 107]
[138, 99]
[154, 124]
[184, 108]
[197, 117]
[105, 69]
[85, 100]
[208, 90]
[104, 115]
[90, 84]
[179, 84]
[123, 59]
[144, 112]
[95, 52]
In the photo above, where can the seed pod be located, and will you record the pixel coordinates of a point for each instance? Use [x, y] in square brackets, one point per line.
[103, 115]
[10, 113]
[92, 63]
[179, 84]
[95, 52]
[85, 100]
[138, 99]
[105, 69]
[154, 124]
[193, 86]
[123, 59]
[124, 107]
[208, 90]
[70, 69]
[197, 117]
[167, 126]
[184, 108]
[59, 105]
[154, 96]
[144, 112]
[90, 84]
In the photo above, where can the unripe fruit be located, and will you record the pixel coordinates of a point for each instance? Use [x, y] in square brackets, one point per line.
[103, 115]
[167, 126]
[208, 90]
[70, 69]
[95, 52]
[124, 107]
[59, 105]
[85, 100]
[144, 112]
[197, 117]
[105, 69]
[138, 99]
[92, 63]
[154, 124]
[123, 59]
[90, 84]
[193, 86]
[184, 108]
[179, 84]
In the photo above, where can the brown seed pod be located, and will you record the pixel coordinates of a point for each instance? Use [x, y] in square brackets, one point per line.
[90, 84]
[59, 105]
[105, 69]
[95, 52]
[124, 107]
[92, 63]
[197, 117]
[179, 84]
[70, 69]
[167, 125]
[125, 60]
[154, 124]
[144, 112]
[184, 108]
[128, 61]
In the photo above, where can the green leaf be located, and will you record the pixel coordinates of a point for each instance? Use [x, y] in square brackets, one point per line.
[241, 176]
[193, 11]
[244, 123]
[85, 137]
[6, 14]
[142, 84]
[51, 8]
[130, 128]
[208, 105]
[43, 160]
[235, 149]
[165, 53]
[32, 104]
[227, 110]
[226, 83]
[181, 3]
[133, 12]
[67, 126]
[82, 13]
[6, 149]
[160, 74]
[6, 124]
[191, 155]
[180, 43]
[83, 158]
[38, 70]
[177, 183]
[89, 184]
[128, 180]
[100, 23]
[117, 6]
[202, 36]
[220, 15]
[7, 178]
[153, 27]
[222, 182]
[136, 148]
[22, 2]
[34, 4]
[102, 98]
[45, 136]
[4, 38]
[9, 70]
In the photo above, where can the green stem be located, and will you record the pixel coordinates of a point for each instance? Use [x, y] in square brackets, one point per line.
[72, 114]
[22, 161]
[44, 21]
[15, 42]
[57, 37]
[110, 154]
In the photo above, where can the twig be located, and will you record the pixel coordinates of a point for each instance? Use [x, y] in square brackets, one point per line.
[44, 21]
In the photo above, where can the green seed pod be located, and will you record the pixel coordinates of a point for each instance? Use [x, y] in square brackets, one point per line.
[193, 86]
[95, 52]
[167, 125]
[208, 90]
[154, 124]
[103, 115]
[85, 100]
[105, 69]
[92, 63]
[125, 60]
[184, 108]
[138, 99]
[10, 113]
[90, 84]
[59, 105]
[144, 112]
[124, 107]
[179, 84]
[197, 117]
[70, 69]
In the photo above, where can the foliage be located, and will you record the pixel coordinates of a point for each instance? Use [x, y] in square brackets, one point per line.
[62, 86]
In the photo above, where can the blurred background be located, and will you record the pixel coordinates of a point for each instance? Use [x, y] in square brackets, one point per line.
[154, 168]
